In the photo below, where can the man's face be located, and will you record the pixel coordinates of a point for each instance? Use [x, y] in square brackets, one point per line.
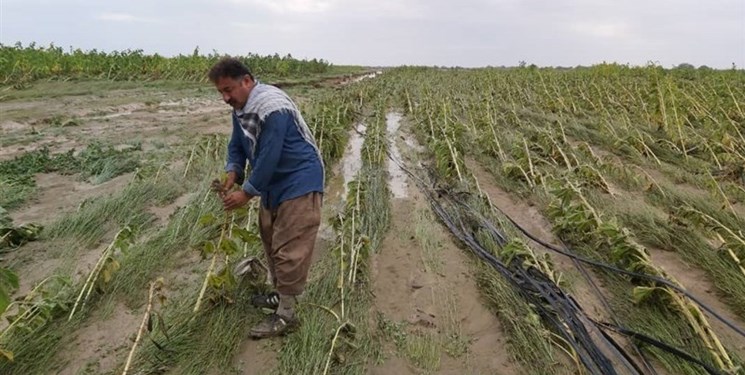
[234, 91]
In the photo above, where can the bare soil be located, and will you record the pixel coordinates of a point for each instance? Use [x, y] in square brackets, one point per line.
[433, 291]
[406, 292]
[257, 357]
[114, 117]
[61, 194]
[102, 342]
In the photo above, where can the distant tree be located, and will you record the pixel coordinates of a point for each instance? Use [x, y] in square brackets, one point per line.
[685, 66]
[685, 71]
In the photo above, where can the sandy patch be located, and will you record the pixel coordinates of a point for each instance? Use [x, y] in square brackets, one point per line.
[61, 194]
[102, 343]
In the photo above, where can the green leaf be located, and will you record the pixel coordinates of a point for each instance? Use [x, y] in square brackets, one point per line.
[228, 279]
[214, 281]
[229, 247]
[4, 300]
[209, 247]
[245, 235]
[240, 212]
[108, 272]
[207, 219]
[8, 282]
[5, 219]
[7, 354]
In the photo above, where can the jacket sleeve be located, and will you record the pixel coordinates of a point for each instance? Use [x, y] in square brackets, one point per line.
[236, 154]
[270, 142]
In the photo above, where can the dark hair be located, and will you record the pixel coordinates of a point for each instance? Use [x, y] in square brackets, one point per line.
[229, 67]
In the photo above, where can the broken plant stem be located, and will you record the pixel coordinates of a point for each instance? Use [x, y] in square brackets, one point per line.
[341, 267]
[211, 269]
[188, 163]
[333, 344]
[354, 255]
[90, 282]
[154, 285]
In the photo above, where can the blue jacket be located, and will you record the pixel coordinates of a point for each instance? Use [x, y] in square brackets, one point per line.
[284, 164]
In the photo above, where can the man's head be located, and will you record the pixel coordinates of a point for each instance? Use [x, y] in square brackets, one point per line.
[233, 80]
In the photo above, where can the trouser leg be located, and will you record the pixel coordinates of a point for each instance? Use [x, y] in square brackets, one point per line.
[294, 230]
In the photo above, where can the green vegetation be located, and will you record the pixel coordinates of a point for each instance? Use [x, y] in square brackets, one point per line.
[600, 132]
[20, 65]
[624, 162]
[96, 163]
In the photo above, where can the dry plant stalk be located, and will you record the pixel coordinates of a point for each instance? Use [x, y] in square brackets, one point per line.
[155, 287]
[90, 282]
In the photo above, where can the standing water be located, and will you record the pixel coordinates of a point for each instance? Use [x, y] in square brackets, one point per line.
[351, 162]
[367, 76]
[398, 178]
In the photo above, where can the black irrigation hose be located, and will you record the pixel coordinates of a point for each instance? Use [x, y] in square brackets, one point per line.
[660, 280]
[570, 312]
[659, 344]
[579, 266]
[626, 332]
[590, 364]
[565, 317]
[595, 360]
[648, 366]
[501, 268]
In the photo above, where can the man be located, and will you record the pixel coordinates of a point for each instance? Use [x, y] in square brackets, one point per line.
[286, 172]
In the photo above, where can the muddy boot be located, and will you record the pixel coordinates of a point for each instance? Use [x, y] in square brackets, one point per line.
[279, 323]
[273, 325]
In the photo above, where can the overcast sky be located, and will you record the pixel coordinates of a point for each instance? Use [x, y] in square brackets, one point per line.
[390, 32]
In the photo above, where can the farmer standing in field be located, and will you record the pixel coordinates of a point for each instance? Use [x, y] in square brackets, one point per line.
[286, 172]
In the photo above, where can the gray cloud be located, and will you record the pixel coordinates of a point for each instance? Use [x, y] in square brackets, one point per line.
[390, 32]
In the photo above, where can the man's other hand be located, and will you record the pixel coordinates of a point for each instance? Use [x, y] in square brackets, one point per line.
[235, 199]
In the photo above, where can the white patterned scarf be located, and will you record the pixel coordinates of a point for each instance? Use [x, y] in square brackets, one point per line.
[263, 101]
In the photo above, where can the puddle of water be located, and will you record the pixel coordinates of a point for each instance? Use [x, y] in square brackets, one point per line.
[351, 162]
[367, 76]
[397, 177]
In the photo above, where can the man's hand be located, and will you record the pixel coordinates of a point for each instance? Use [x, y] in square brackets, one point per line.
[235, 199]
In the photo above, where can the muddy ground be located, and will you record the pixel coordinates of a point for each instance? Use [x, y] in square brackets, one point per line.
[423, 281]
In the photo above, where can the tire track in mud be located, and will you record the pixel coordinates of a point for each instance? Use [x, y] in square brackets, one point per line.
[425, 289]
